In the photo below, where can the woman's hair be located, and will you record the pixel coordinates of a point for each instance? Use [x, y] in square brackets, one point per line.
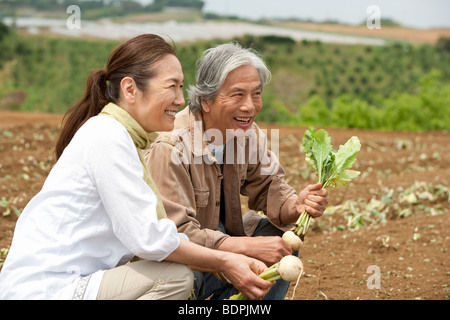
[134, 58]
[215, 65]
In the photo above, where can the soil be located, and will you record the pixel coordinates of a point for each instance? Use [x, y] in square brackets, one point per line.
[403, 258]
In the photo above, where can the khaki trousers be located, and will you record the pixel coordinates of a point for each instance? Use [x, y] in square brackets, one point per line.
[147, 280]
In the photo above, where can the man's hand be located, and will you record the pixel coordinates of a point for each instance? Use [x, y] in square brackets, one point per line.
[313, 199]
[269, 249]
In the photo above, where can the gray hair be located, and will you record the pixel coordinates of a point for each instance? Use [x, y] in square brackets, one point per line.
[215, 65]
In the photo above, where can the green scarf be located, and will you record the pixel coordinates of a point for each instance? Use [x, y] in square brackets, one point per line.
[142, 140]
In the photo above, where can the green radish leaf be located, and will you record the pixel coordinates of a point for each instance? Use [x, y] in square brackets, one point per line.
[343, 179]
[318, 149]
[308, 140]
[345, 158]
[332, 168]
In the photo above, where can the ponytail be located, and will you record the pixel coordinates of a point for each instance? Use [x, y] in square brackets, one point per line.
[90, 105]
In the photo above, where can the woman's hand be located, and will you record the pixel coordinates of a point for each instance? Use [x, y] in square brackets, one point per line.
[268, 249]
[242, 272]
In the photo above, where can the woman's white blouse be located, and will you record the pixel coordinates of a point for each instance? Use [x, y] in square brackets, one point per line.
[94, 212]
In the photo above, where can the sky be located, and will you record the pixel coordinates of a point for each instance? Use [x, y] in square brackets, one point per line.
[411, 13]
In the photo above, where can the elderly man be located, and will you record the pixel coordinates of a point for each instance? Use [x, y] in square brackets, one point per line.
[217, 153]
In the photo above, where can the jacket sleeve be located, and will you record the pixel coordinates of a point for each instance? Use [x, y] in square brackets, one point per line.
[265, 186]
[169, 168]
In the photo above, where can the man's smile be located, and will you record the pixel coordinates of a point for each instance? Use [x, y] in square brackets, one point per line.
[243, 119]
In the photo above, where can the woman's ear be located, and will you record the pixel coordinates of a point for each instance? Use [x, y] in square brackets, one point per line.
[128, 90]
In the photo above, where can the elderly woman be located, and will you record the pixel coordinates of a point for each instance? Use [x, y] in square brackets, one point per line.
[99, 206]
[214, 156]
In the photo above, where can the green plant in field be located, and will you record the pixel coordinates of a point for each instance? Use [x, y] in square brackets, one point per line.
[420, 197]
[8, 207]
[3, 254]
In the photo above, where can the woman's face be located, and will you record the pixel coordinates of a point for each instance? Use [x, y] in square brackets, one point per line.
[155, 108]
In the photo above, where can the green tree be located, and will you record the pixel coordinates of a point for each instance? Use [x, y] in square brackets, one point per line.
[348, 112]
[314, 112]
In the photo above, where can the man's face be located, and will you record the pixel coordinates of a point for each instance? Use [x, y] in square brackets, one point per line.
[237, 103]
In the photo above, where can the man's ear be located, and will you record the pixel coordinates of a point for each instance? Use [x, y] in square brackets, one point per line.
[205, 106]
[128, 89]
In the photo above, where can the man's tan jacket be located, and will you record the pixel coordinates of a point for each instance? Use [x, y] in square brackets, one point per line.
[189, 179]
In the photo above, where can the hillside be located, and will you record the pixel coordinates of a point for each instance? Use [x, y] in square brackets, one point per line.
[394, 216]
[397, 86]
[430, 36]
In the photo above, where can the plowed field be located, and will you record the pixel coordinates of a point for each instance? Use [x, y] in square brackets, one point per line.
[385, 236]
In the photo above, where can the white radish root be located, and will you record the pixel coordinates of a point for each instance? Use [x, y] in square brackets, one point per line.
[290, 268]
[294, 241]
